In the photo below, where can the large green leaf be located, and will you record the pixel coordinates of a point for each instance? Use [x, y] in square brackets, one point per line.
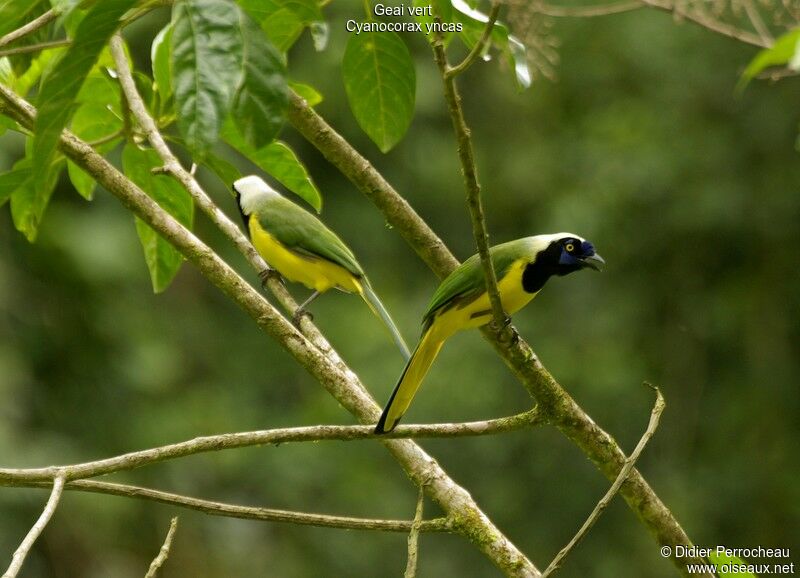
[279, 161]
[380, 81]
[284, 20]
[206, 67]
[163, 260]
[784, 51]
[29, 201]
[62, 83]
[259, 107]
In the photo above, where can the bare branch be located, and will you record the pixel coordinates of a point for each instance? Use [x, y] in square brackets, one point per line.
[655, 416]
[163, 554]
[413, 538]
[338, 379]
[469, 171]
[479, 47]
[30, 27]
[708, 22]
[34, 47]
[588, 11]
[27, 543]
[755, 19]
[213, 508]
[198, 445]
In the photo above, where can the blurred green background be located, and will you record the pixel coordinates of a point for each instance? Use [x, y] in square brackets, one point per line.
[689, 191]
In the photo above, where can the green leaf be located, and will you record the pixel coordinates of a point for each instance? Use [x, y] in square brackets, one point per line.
[308, 92]
[284, 20]
[279, 161]
[159, 56]
[730, 561]
[784, 51]
[380, 82]
[11, 181]
[62, 84]
[259, 107]
[206, 67]
[29, 201]
[510, 46]
[163, 260]
[226, 172]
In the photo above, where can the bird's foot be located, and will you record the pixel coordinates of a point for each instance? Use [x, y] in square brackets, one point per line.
[506, 332]
[267, 274]
[299, 314]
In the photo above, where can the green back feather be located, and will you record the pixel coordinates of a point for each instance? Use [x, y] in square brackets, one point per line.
[467, 283]
[300, 231]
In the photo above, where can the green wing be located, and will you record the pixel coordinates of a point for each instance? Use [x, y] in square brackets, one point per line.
[467, 282]
[300, 231]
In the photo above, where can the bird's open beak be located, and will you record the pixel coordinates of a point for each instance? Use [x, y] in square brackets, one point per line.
[595, 262]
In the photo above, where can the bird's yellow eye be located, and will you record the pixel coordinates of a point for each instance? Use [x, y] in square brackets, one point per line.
[569, 247]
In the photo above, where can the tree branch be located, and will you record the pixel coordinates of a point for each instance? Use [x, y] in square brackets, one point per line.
[413, 538]
[34, 47]
[655, 416]
[588, 11]
[228, 441]
[163, 554]
[336, 377]
[567, 415]
[469, 171]
[452, 72]
[213, 508]
[30, 27]
[27, 543]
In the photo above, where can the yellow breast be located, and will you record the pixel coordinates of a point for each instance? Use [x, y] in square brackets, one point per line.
[315, 273]
[479, 311]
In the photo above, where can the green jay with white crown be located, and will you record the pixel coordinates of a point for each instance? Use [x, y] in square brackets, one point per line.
[302, 249]
[461, 301]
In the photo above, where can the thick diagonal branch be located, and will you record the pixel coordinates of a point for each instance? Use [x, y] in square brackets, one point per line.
[564, 412]
[339, 380]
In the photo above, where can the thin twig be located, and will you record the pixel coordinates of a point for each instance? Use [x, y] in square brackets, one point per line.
[107, 139]
[708, 22]
[35, 47]
[198, 445]
[25, 547]
[755, 19]
[470, 174]
[477, 50]
[31, 26]
[222, 509]
[413, 538]
[163, 554]
[588, 11]
[655, 416]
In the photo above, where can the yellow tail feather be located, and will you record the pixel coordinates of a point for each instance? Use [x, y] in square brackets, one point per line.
[410, 380]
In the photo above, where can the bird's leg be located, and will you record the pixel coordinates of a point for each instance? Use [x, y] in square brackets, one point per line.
[505, 332]
[267, 274]
[301, 310]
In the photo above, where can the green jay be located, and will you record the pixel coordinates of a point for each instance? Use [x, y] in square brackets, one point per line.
[522, 267]
[302, 249]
